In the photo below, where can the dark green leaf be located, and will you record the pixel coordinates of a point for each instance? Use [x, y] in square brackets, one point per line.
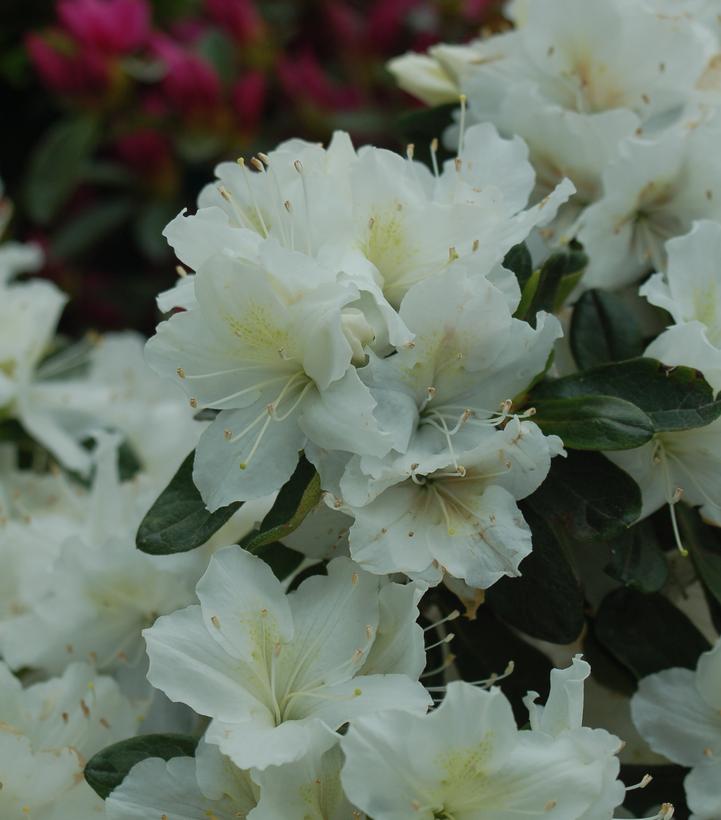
[704, 545]
[296, 499]
[637, 559]
[674, 398]
[594, 422]
[647, 633]
[219, 50]
[484, 646]
[606, 669]
[518, 260]
[421, 125]
[558, 275]
[603, 329]
[281, 559]
[546, 601]
[321, 568]
[587, 498]
[90, 226]
[178, 520]
[148, 226]
[107, 769]
[56, 166]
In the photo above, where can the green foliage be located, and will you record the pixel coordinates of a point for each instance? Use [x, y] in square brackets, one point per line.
[518, 260]
[57, 165]
[647, 633]
[637, 559]
[546, 601]
[587, 498]
[603, 329]
[296, 499]
[594, 422]
[548, 287]
[178, 520]
[704, 546]
[107, 769]
[674, 398]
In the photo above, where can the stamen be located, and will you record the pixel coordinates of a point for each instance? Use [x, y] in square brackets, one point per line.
[450, 617]
[240, 216]
[298, 165]
[643, 782]
[434, 157]
[251, 195]
[446, 639]
[462, 132]
[449, 661]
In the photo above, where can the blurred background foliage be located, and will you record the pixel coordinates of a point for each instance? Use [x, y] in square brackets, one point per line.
[116, 111]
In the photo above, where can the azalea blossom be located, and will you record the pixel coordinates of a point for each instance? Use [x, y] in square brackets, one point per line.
[467, 758]
[691, 292]
[47, 732]
[652, 191]
[272, 345]
[445, 499]
[184, 788]
[100, 590]
[270, 668]
[675, 466]
[678, 712]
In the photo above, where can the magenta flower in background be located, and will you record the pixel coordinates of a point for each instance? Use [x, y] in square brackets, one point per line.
[239, 18]
[66, 70]
[190, 84]
[247, 97]
[110, 26]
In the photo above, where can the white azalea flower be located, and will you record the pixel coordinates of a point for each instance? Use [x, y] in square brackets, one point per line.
[447, 500]
[675, 466]
[308, 789]
[157, 422]
[273, 348]
[206, 787]
[47, 732]
[563, 715]
[653, 191]
[678, 712]
[384, 220]
[467, 759]
[269, 668]
[29, 313]
[424, 77]
[100, 591]
[691, 292]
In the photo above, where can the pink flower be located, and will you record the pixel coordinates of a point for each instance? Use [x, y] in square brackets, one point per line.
[145, 151]
[386, 21]
[109, 26]
[303, 79]
[239, 17]
[190, 84]
[248, 98]
[66, 70]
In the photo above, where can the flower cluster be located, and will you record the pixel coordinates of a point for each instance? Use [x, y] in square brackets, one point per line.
[333, 543]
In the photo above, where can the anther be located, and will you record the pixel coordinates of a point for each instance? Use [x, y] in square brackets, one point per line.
[410, 150]
[476, 244]
[264, 158]
[180, 270]
[193, 403]
[215, 620]
[257, 164]
[227, 434]
[181, 373]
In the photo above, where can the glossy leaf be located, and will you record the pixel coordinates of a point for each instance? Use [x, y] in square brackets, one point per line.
[603, 329]
[674, 398]
[546, 601]
[704, 546]
[107, 769]
[647, 633]
[178, 521]
[594, 422]
[518, 260]
[587, 498]
[637, 559]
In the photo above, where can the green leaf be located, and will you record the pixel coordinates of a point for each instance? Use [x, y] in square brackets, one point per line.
[546, 601]
[148, 226]
[528, 294]
[107, 769]
[178, 520]
[603, 329]
[219, 50]
[594, 422]
[557, 277]
[281, 559]
[587, 498]
[90, 226]
[647, 633]
[56, 166]
[637, 559]
[296, 499]
[704, 547]
[674, 398]
[518, 260]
